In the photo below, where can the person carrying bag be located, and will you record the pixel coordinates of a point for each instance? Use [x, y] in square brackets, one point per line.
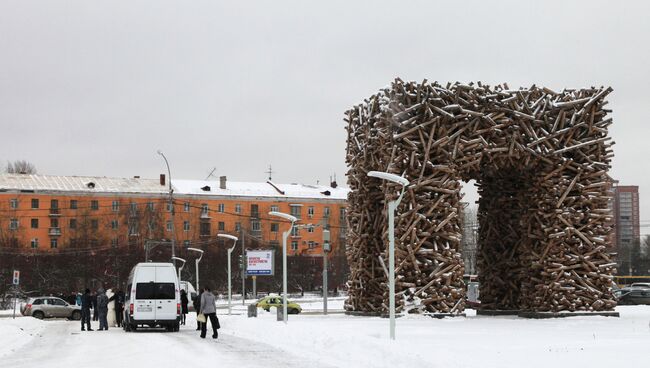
[209, 311]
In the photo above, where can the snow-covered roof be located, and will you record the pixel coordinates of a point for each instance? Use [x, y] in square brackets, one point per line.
[90, 184]
[94, 184]
[268, 189]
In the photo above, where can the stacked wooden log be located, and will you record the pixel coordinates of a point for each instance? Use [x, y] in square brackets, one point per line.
[540, 159]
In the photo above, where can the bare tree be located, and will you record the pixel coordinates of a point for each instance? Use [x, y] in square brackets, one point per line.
[20, 167]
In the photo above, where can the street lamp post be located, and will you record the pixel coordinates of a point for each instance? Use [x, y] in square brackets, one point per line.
[234, 238]
[180, 268]
[392, 206]
[196, 264]
[285, 235]
[171, 205]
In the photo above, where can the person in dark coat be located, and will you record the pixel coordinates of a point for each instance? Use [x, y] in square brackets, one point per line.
[184, 302]
[197, 309]
[102, 309]
[86, 304]
[94, 301]
[118, 298]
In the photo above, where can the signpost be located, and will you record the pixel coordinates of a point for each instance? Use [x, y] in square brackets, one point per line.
[16, 282]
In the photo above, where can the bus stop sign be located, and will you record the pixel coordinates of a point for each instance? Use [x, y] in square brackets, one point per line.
[16, 277]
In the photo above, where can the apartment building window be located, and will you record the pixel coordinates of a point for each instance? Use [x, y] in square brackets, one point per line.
[114, 224]
[326, 212]
[255, 211]
[74, 204]
[34, 243]
[73, 224]
[275, 208]
[133, 228]
[54, 243]
[94, 224]
[170, 207]
[114, 242]
[256, 226]
[13, 203]
[34, 223]
[275, 227]
[150, 206]
[115, 206]
[311, 244]
[54, 203]
[310, 211]
[294, 245]
[169, 226]
[342, 214]
[221, 226]
[186, 207]
[13, 224]
[295, 231]
[205, 209]
[221, 208]
[204, 229]
[311, 229]
[274, 244]
[186, 243]
[186, 226]
[134, 208]
[237, 226]
[54, 222]
[238, 208]
[34, 203]
[296, 210]
[94, 205]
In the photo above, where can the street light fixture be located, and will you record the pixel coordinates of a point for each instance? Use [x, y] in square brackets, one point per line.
[285, 235]
[180, 268]
[234, 238]
[171, 204]
[196, 264]
[392, 206]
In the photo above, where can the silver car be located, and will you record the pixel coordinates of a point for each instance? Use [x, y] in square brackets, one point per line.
[50, 307]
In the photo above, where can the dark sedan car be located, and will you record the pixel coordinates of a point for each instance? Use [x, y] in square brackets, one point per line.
[633, 295]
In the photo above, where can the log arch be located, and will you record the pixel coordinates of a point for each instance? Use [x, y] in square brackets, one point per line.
[540, 159]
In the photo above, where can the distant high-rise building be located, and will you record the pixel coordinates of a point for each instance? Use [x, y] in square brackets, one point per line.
[626, 223]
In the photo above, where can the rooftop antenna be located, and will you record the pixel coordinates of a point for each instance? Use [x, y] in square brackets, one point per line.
[270, 172]
[211, 172]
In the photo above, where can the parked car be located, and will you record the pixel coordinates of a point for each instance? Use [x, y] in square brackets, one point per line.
[276, 301]
[633, 295]
[641, 285]
[152, 297]
[50, 307]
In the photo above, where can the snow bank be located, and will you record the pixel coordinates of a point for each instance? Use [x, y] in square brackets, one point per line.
[15, 333]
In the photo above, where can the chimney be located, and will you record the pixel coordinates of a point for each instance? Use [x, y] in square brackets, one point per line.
[136, 177]
[222, 182]
[162, 179]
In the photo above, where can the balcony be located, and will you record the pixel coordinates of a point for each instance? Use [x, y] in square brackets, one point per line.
[55, 231]
[205, 215]
[55, 212]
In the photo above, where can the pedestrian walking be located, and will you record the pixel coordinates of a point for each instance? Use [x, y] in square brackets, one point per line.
[209, 310]
[184, 302]
[86, 304]
[102, 309]
[197, 308]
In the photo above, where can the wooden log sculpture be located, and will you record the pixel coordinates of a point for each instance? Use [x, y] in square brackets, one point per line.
[540, 159]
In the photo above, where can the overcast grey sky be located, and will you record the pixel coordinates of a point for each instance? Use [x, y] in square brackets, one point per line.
[96, 87]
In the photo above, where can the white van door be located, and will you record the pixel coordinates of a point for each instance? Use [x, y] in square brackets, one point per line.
[145, 292]
[166, 294]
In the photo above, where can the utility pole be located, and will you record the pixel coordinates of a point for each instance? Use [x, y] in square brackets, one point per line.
[326, 250]
[243, 268]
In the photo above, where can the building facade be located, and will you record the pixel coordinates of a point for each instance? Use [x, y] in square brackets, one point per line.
[53, 213]
[627, 232]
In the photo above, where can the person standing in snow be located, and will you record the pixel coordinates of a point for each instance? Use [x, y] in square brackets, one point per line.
[184, 302]
[197, 308]
[102, 309]
[86, 304]
[209, 309]
[94, 300]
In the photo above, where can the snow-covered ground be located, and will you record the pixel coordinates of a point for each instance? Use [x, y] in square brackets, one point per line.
[338, 340]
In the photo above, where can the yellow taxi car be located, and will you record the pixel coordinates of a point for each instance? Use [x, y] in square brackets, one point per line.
[276, 301]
